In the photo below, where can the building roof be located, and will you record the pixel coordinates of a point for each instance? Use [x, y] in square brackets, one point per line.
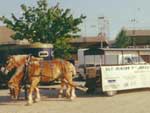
[140, 37]
[89, 41]
[138, 33]
[5, 35]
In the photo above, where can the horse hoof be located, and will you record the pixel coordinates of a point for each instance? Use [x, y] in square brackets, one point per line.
[72, 98]
[12, 98]
[29, 103]
[37, 100]
[60, 96]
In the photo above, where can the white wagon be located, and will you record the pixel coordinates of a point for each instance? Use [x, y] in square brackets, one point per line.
[119, 69]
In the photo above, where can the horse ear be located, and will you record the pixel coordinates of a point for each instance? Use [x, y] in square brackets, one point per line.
[29, 55]
[28, 58]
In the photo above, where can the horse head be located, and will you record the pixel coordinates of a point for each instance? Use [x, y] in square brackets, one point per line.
[14, 61]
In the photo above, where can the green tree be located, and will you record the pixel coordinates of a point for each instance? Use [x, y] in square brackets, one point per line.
[44, 24]
[63, 49]
[122, 40]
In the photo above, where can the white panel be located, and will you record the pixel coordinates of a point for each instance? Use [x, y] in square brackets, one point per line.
[125, 77]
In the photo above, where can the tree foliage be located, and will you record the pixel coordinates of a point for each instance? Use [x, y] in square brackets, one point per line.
[122, 40]
[63, 49]
[44, 24]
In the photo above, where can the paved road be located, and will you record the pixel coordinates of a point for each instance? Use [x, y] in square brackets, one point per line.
[137, 101]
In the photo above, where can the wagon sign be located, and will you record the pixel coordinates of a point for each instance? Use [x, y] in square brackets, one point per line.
[125, 77]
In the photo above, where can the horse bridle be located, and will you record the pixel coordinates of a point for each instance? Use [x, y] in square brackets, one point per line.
[6, 69]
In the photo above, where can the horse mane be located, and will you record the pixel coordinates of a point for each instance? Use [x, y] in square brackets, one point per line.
[19, 57]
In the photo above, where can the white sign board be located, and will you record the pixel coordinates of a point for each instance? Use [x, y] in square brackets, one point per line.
[125, 77]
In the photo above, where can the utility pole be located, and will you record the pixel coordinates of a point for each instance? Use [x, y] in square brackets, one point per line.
[134, 21]
[85, 31]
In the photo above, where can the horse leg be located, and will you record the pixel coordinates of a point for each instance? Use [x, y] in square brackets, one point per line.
[34, 84]
[30, 100]
[73, 95]
[18, 94]
[70, 90]
[70, 93]
[37, 98]
[60, 94]
[67, 90]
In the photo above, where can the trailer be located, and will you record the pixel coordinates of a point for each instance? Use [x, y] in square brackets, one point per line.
[119, 69]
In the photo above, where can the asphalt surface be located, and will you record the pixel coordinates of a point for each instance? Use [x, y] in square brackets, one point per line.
[134, 101]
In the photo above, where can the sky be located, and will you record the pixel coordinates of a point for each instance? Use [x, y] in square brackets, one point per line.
[117, 14]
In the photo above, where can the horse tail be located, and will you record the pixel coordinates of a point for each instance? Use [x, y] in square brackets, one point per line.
[67, 66]
[74, 85]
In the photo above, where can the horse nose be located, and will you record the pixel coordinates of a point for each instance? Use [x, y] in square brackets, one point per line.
[6, 72]
[2, 69]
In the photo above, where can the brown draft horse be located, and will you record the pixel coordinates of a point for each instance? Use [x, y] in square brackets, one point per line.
[48, 71]
[18, 62]
[41, 71]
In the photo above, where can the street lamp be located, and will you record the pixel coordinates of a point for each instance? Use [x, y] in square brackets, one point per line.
[101, 32]
[134, 21]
